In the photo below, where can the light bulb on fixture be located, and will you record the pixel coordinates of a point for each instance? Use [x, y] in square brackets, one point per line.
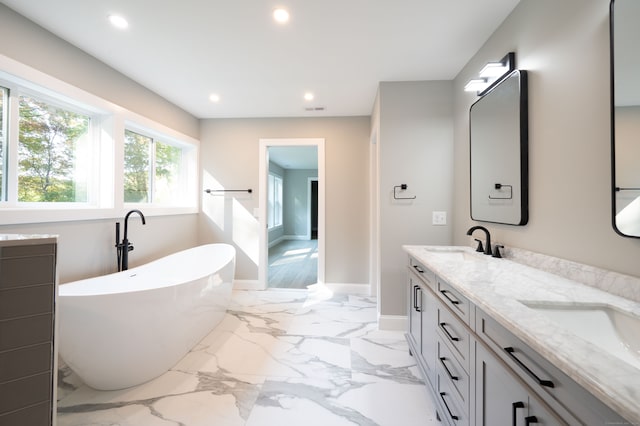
[493, 69]
[281, 15]
[476, 85]
[308, 96]
[118, 21]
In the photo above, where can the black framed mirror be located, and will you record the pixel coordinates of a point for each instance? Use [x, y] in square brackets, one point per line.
[625, 116]
[499, 129]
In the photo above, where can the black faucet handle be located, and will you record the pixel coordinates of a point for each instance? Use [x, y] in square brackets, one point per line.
[496, 251]
[480, 248]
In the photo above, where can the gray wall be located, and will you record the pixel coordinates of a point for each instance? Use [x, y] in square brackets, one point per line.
[230, 157]
[415, 147]
[296, 211]
[565, 47]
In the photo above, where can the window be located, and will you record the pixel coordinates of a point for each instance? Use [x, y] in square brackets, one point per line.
[4, 96]
[54, 153]
[154, 171]
[66, 154]
[274, 214]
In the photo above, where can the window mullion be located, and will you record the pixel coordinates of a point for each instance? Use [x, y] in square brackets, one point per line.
[152, 170]
[13, 130]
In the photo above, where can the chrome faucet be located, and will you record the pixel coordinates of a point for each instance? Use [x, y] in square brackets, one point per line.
[125, 247]
[487, 248]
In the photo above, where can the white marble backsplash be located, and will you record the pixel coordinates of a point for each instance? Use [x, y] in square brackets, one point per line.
[621, 285]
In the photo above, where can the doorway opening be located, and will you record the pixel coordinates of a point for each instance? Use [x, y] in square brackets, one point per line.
[291, 213]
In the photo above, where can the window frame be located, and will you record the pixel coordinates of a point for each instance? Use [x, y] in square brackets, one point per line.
[105, 199]
[275, 216]
[188, 175]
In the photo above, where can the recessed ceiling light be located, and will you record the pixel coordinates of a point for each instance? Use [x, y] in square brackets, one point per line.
[214, 97]
[308, 96]
[281, 15]
[118, 21]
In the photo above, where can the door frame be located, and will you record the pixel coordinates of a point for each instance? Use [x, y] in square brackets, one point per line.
[263, 170]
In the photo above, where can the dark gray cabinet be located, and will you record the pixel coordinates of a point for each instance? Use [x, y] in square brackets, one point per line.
[478, 373]
[502, 399]
[27, 325]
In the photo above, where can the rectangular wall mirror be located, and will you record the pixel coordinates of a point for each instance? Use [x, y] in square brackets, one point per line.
[625, 116]
[499, 159]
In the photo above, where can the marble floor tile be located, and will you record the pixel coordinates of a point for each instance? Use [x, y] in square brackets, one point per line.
[278, 358]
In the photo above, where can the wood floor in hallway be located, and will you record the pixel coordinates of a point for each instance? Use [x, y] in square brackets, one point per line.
[293, 264]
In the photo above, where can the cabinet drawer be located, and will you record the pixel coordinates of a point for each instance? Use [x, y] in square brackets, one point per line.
[25, 331]
[26, 271]
[25, 362]
[425, 274]
[25, 301]
[455, 301]
[454, 333]
[450, 369]
[452, 407]
[40, 414]
[22, 393]
[553, 386]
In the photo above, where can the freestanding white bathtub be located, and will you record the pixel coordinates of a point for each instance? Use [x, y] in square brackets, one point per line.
[123, 329]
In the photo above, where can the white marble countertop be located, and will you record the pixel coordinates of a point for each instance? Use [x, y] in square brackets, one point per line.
[497, 286]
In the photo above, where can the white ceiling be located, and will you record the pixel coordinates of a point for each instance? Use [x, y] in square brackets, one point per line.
[340, 50]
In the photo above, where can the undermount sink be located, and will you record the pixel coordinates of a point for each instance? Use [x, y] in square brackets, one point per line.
[453, 254]
[615, 331]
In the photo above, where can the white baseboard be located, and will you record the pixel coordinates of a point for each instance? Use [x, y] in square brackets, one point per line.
[340, 288]
[392, 322]
[246, 285]
[346, 288]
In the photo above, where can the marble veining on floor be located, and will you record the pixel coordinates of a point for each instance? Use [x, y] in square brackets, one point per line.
[280, 357]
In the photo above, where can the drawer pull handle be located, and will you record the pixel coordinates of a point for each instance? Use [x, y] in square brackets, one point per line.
[449, 335]
[417, 268]
[415, 298]
[442, 394]
[451, 376]
[548, 383]
[530, 419]
[445, 293]
[515, 406]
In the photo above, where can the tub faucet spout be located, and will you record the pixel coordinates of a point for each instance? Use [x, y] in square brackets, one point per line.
[125, 247]
[487, 247]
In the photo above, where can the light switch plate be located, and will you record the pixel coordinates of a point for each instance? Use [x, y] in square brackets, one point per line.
[439, 218]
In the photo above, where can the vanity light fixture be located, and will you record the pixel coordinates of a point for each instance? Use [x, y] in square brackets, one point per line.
[118, 21]
[476, 85]
[491, 74]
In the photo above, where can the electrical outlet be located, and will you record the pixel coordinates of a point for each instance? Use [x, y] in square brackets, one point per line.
[439, 218]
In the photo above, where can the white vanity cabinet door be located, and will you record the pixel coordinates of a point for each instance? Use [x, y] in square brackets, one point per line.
[429, 305]
[414, 313]
[502, 399]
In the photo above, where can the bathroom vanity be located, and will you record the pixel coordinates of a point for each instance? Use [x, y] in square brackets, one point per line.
[27, 330]
[501, 343]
